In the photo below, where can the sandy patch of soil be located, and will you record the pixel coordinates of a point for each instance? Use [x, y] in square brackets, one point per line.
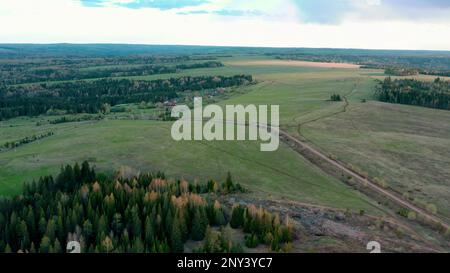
[296, 63]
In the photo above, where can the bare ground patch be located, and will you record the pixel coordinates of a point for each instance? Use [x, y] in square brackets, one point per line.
[296, 63]
[329, 230]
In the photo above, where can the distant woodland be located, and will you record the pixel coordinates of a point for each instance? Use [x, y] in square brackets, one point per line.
[434, 94]
[96, 96]
[394, 63]
[58, 70]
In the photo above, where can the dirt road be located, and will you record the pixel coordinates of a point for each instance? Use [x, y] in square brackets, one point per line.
[388, 194]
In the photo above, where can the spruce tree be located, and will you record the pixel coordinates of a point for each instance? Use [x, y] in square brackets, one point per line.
[199, 224]
[57, 248]
[149, 232]
[176, 237]
[138, 246]
[45, 245]
[237, 217]
[8, 249]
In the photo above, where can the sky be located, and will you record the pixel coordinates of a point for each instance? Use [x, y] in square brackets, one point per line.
[371, 24]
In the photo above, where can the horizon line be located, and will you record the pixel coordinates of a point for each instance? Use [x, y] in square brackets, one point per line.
[221, 46]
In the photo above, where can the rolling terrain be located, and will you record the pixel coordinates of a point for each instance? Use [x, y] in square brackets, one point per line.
[407, 147]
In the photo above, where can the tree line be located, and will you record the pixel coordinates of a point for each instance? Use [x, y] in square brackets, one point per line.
[394, 64]
[70, 73]
[14, 144]
[402, 71]
[145, 213]
[17, 71]
[374, 59]
[65, 119]
[91, 96]
[435, 94]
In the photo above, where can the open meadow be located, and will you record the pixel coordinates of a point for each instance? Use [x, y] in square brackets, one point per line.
[407, 146]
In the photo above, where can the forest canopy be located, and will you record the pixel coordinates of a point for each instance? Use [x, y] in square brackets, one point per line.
[434, 94]
[61, 71]
[145, 213]
[91, 96]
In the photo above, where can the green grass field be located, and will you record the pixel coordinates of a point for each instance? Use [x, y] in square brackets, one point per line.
[147, 145]
[408, 146]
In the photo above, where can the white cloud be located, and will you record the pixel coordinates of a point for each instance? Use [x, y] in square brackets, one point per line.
[373, 2]
[49, 21]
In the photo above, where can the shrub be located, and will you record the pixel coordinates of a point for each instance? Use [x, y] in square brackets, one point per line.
[412, 215]
[399, 232]
[403, 212]
[251, 241]
[432, 208]
[406, 195]
[287, 247]
[336, 97]
[381, 182]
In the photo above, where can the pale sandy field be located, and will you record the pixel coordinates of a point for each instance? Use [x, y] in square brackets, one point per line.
[295, 63]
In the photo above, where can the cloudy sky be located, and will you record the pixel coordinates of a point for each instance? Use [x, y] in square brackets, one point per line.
[387, 24]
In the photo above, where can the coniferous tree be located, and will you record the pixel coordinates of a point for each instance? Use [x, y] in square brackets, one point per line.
[45, 245]
[199, 224]
[8, 249]
[57, 247]
[108, 215]
[176, 237]
[149, 232]
[138, 246]
[237, 217]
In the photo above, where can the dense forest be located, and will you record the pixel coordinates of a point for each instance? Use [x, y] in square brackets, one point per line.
[38, 51]
[97, 96]
[147, 213]
[399, 71]
[28, 73]
[434, 94]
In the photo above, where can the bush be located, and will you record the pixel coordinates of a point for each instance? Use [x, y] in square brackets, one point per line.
[251, 241]
[432, 208]
[403, 212]
[420, 203]
[335, 97]
[287, 247]
[399, 232]
[381, 182]
[406, 196]
[412, 215]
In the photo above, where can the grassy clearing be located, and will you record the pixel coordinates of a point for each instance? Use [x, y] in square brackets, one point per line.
[407, 146]
[147, 145]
